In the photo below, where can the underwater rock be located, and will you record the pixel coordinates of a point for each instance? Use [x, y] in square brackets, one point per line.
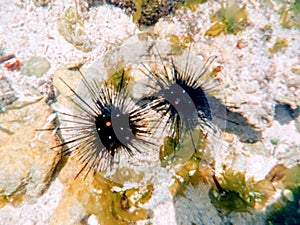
[27, 162]
[7, 94]
[35, 66]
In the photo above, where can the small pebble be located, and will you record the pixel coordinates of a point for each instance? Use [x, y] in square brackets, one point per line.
[40, 2]
[35, 66]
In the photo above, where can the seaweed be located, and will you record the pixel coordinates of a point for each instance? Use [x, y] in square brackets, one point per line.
[111, 202]
[279, 45]
[148, 12]
[230, 19]
[120, 79]
[191, 171]
[285, 211]
[290, 15]
[236, 194]
[191, 4]
[179, 44]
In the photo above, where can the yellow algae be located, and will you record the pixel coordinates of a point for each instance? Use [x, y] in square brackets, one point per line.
[279, 45]
[14, 199]
[138, 13]
[179, 44]
[109, 201]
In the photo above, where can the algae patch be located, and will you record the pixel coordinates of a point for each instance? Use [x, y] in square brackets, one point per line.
[286, 209]
[120, 79]
[14, 199]
[279, 45]
[290, 15]
[111, 202]
[191, 171]
[180, 44]
[233, 193]
[230, 19]
[191, 4]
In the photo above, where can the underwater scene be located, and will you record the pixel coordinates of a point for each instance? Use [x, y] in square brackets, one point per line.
[149, 112]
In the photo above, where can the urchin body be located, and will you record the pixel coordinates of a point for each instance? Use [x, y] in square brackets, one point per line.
[181, 98]
[110, 126]
[183, 102]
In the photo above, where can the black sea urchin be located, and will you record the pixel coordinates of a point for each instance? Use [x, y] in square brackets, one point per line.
[107, 127]
[180, 96]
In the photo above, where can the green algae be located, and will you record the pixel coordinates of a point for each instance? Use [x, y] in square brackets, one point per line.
[238, 194]
[167, 149]
[291, 179]
[230, 19]
[290, 15]
[286, 210]
[120, 79]
[191, 171]
[230, 201]
[179, 151]
[110, 202]
[274, 141]
[190, 4]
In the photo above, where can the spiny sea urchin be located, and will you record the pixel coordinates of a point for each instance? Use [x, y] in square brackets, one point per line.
[112, 125]
[179, 95]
